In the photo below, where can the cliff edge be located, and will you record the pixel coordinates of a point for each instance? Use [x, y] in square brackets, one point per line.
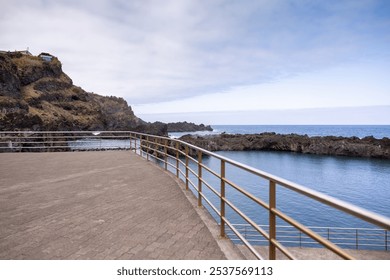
[35, 94]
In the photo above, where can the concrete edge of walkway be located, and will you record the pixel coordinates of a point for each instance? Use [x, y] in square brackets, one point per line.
[227, 247]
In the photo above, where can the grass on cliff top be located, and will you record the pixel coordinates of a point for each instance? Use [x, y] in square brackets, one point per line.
[27, 61]
[31, 61]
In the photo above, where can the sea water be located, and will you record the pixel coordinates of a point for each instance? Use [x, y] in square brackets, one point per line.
[364, 182]
[377, 131]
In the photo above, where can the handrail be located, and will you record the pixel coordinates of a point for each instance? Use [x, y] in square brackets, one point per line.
[357, 238]
[185, 160]
[147, 142]
[22, 141]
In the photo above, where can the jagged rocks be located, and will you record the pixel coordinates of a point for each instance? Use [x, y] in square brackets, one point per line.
[187, 127]
[9, 80]
[329, 145]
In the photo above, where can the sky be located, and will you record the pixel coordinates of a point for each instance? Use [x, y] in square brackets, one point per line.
[218, 61]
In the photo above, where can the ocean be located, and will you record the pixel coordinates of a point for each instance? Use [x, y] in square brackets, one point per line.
[363, 182]
[361, 131]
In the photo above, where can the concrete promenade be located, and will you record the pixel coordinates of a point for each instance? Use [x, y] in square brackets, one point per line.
[110, 205]
[100, 205]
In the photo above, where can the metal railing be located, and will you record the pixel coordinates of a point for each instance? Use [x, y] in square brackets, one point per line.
[35, 141]
[349, 238]
[186, 162]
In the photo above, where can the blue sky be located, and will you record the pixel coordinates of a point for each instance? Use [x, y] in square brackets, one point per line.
[219, 61]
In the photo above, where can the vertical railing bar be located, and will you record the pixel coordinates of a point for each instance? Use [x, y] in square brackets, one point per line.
[147, 147]
[134, 137]
[140, 145]
[140, 141]
[156, 148]
[166, 153]
[199, 178]
[300, 239]
[386, 240]
[177, 160]
[357, 239]
[222, 206]
[186, 148]
[272, 220]
[131, 141]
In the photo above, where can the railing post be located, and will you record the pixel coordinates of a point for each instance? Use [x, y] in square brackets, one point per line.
[186, 167]
[386, 240]
[199, 178]
[140, 145]
[166, 153]
[300, 239]
[147, 147]
[156, 148]
[357, 239]
[272, 220]
[158, 143]
[130, 141]
[177, 160]
[222, 210]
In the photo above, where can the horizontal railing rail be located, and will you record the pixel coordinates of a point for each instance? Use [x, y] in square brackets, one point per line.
[213, 187]
[24, 141]
[186, 161]
[349, 238]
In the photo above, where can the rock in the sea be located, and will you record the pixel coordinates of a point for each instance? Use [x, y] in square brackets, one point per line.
[187, 127]
[329, 145]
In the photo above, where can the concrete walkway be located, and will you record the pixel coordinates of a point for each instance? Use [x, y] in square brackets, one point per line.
[99, 205]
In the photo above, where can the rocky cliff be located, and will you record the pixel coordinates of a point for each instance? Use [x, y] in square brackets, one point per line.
[329, 145]
[35, 94]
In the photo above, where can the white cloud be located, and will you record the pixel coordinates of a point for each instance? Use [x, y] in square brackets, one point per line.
[360, 84]
[151, 52]
[367, 115]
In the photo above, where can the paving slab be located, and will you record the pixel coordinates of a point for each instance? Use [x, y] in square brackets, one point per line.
[99, 205]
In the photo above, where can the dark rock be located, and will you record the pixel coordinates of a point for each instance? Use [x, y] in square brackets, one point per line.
[9, 80]
[329, 145]
[187, 127]
[156, 128]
